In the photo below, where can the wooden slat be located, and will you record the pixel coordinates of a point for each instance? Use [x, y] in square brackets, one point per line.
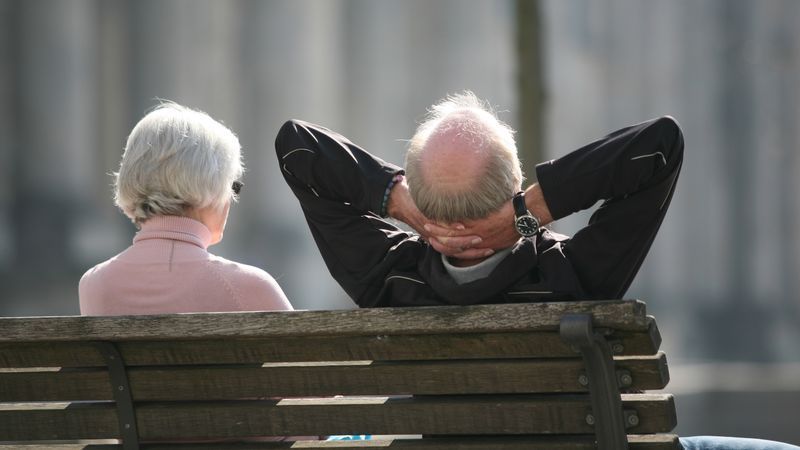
[654, 442]
[629, 315]
[646, 442]
[31, 385]
[654, 335]
[381, 378]
[309, 380]
[317, 348]
[57, 421]
[656, 412]
[373, 348]
[49, 354]
[519, 414]
[232, 351]
[650, 371]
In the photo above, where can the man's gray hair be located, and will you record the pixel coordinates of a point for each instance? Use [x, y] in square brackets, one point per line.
[176, 158]
[473, 121]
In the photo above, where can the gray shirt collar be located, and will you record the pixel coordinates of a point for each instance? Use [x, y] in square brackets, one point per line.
[464, 275]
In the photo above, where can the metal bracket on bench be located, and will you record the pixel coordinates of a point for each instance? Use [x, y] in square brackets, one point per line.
[607, 416]
[122, 395]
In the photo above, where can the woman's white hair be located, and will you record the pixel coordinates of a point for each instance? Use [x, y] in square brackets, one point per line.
[176, 158]
[476, 122]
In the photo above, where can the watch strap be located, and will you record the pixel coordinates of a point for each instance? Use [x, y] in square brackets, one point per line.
[520, 208]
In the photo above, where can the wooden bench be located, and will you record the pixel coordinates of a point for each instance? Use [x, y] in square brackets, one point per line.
[490, 377]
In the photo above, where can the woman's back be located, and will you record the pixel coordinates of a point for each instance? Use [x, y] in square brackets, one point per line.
[169, 270]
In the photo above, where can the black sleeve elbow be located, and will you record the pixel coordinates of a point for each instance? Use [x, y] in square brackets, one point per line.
[286, 132]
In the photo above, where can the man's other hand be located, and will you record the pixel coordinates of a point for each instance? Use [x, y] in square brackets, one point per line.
[454, 243]
[495, 231]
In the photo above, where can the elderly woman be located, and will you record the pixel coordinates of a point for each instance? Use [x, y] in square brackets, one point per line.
[178, 177]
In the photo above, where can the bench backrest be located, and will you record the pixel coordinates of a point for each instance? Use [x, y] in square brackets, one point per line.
[488, 376]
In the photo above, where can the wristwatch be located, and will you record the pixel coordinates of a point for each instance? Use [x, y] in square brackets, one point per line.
[526, 224]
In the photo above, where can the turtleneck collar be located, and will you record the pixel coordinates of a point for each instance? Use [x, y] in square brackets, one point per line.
[176, 228]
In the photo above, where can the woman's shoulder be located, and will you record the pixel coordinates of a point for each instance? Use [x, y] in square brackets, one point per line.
[98, 272]
[237, 269]
[93, 285]
[252, 283]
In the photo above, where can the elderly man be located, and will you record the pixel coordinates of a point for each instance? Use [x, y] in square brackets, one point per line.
[480, 237]
[463, 183]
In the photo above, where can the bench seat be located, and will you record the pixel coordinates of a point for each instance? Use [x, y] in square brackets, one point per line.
[486, 376]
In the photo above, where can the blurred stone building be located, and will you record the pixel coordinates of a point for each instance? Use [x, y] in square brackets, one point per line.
[75, 75]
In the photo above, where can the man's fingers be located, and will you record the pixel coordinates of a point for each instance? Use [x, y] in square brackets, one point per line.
[458, 242]
[458, 251]
[441, 248]
[439, 230]
[436, 230]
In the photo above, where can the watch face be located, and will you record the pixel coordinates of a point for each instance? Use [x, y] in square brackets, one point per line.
[527, 226]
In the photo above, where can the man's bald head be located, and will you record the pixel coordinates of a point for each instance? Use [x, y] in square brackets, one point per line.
[462, 162]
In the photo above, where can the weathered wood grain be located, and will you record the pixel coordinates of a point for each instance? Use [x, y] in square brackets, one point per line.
[627, 315]
[650, 375]
[439, 415]
[303, 379]
[654, 416]
[57, 421]
[636, 442]
[55, 385]
[49, 354]
[316, 348]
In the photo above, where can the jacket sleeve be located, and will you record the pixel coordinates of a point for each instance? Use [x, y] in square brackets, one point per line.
[633, 171]
[341, 190]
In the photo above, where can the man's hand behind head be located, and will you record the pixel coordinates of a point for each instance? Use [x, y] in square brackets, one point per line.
[496, 230]
[454, 243]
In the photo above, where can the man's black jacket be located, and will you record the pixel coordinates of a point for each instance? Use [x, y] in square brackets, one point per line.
[341, 188]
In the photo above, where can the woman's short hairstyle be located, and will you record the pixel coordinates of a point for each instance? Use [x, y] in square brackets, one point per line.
[176, 158]
[476, 122]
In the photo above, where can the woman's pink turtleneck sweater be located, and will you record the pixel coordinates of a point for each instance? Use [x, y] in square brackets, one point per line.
[169, 270]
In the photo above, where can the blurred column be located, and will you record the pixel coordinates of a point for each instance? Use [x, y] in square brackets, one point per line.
[293, 54]
[187, 51]
[57, 83]
[7, 131]
[737, 111]
[530, 137]
[114, 72]
[100, 229]
[737, 101]
[295, 59]
[775, 62]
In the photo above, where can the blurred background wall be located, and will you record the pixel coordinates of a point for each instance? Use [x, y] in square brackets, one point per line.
[722, 277]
